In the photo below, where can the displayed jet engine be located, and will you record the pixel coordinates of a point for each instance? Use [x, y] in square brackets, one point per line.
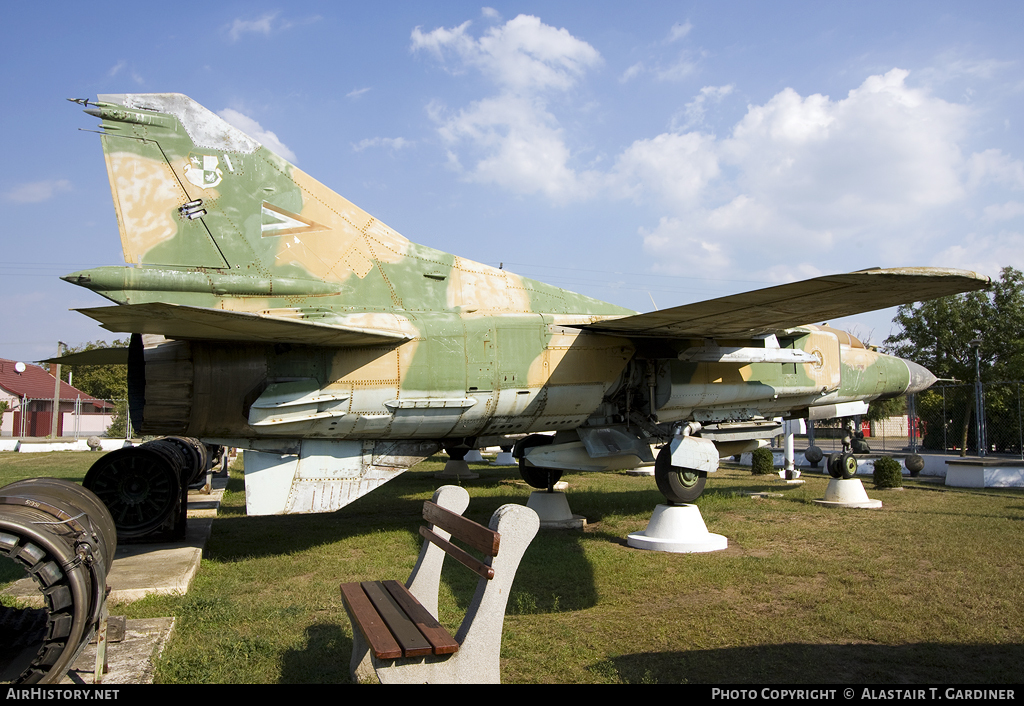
[64, 538]
[145, 487]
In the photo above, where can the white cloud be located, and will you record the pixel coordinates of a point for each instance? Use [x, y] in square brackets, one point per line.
[37, 191]
[873, 175]
[263, 26]
[120, 66]
[356, 92]
[695, 110]
[682, 68]
[392, 143]
[1003, 212]
[986, 253]
[632, 72]
[994, 167]
[676, 167]
[254, 130]
[678, 31]
[523, 55]
[516, 141]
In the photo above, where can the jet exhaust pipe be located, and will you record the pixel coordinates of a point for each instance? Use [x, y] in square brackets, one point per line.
[145, 487]
[64, 538]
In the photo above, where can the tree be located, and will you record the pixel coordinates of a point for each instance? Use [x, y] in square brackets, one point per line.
[105, 382]
[938, 334]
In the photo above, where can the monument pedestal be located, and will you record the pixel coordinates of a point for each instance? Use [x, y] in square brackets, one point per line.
[677, 528]
[848, 492]
[553, 511]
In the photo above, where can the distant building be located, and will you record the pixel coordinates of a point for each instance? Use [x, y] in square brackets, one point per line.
[29, 397]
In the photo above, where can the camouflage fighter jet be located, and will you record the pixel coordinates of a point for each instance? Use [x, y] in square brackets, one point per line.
[271, 314]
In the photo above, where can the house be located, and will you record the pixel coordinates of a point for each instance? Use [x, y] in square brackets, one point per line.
[28, 391]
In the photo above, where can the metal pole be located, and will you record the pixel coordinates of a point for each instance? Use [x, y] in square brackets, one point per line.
[1020, 421]
[56, 397]
[979, 409]
[911, 425]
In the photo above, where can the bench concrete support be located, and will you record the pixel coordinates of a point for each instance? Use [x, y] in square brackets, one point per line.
[479, 636]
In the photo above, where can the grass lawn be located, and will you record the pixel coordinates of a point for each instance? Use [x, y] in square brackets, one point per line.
[929, 588]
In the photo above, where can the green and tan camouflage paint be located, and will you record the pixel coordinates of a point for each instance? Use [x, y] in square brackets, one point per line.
[210, 218]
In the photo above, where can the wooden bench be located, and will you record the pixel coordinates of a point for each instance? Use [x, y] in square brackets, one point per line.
[396, 636]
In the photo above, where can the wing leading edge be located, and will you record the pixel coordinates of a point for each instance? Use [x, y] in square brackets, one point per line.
[192, 322]
[796, 304]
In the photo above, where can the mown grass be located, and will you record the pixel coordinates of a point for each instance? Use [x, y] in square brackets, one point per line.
[928, 588]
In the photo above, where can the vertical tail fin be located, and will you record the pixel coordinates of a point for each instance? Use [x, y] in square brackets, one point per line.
[192, 191]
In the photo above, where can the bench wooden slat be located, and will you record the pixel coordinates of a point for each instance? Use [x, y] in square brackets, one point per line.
[376, 632]
[460, 555]
[472, 533]
[408, 636]
[441, 640]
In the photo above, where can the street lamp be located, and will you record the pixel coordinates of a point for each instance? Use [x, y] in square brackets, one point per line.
[979, 406]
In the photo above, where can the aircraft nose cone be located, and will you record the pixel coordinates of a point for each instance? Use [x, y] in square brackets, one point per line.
[921, 378]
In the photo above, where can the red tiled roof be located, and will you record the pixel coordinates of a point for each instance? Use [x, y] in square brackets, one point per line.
[36, 382]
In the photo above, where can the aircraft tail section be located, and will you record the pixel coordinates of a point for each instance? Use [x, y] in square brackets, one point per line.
[192, 191]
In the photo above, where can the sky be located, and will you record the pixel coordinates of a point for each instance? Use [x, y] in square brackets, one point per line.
[648, 154]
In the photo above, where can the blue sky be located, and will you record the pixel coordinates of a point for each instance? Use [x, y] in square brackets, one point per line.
[646, 154]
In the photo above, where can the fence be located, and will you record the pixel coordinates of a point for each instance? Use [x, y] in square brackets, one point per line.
[77, 418]
[950, 422]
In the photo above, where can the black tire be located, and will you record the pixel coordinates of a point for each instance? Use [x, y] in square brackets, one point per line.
[680, 486]
[535, 476]
[541, 478]
[847, 466]
[833, 466]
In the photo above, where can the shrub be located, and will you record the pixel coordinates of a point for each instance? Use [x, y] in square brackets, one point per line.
[762, 462]
[888, 473]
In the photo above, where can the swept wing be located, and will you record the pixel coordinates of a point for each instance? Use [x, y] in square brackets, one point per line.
[795, 304]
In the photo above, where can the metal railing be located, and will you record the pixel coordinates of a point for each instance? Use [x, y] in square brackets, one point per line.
[951, 420]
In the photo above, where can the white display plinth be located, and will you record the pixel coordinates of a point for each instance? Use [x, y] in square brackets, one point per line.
[553, 511]
[474, 456]
[847, 492]
[456, 470]
[504, 458]
[677, 528]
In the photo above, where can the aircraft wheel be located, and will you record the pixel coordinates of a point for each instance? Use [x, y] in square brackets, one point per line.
[542, 478]
[833, 465]
[842, 466]
[679, 485]
[535, 476]
[847, 466]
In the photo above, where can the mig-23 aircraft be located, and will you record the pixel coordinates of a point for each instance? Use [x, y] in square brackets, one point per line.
[271, 314]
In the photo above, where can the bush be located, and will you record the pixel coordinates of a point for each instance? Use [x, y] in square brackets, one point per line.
[762, 462]
[888, 473]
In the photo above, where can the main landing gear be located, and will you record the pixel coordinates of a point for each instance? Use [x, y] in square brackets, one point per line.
[679, 485]
[842, 466]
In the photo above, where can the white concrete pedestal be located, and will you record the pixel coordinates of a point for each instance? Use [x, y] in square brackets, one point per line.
[677, 528]
[553, 510]
[474, 456]
[847, 492]
[504, 458]
[456, 470]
